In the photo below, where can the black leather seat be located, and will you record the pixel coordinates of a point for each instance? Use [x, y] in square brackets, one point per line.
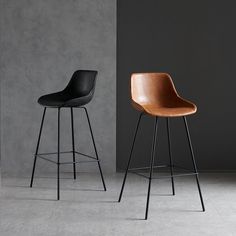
[77, 93]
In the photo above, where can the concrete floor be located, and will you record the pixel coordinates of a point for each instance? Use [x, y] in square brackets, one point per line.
[86, 210]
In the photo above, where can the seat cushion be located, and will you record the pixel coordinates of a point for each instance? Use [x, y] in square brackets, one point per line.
[175, 111]
[62, 99]
[53, 100]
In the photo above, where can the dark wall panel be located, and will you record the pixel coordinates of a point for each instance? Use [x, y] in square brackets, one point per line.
[194, 41]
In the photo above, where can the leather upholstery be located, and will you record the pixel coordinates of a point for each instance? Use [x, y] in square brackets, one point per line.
[155, 94]
[78, 92]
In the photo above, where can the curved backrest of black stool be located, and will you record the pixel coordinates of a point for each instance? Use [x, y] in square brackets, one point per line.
[81, 87]
[78, 92]
[82, 83]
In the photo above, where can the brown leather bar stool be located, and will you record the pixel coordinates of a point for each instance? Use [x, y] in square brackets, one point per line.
[154, 94]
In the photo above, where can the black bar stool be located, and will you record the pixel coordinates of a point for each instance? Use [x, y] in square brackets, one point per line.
[77, 93]
[154, 94]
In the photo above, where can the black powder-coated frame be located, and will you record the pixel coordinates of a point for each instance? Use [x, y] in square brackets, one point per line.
[74, 152]
[171, 166]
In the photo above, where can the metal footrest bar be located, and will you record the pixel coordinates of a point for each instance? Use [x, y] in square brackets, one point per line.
[181, 168]
[79, 153]
[178, 175]
[134, 171]
[54, 153]
[146, 168]
[46, 159]
[40, 155]
[161, 166]
[72, 162]
[164, 176]
[139, 174]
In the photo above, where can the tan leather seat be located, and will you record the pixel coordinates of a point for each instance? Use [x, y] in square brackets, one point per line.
[155, 94]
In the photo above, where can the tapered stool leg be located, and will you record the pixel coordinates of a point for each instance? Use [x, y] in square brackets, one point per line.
[194, 163]
[151, 165]
[130, 157]
[170, 155]
[99, 165]
[73, 141]
[37, 148]
[58, 156]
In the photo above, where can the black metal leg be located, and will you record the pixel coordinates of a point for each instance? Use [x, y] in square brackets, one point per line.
[58, 157]
[151, 165]
[170, 155]
[99, 165]
[194, 163]
[130, 156]
[37, 148]
[73, 141]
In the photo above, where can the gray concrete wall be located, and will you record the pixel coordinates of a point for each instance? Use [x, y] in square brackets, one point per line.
[42, 44]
